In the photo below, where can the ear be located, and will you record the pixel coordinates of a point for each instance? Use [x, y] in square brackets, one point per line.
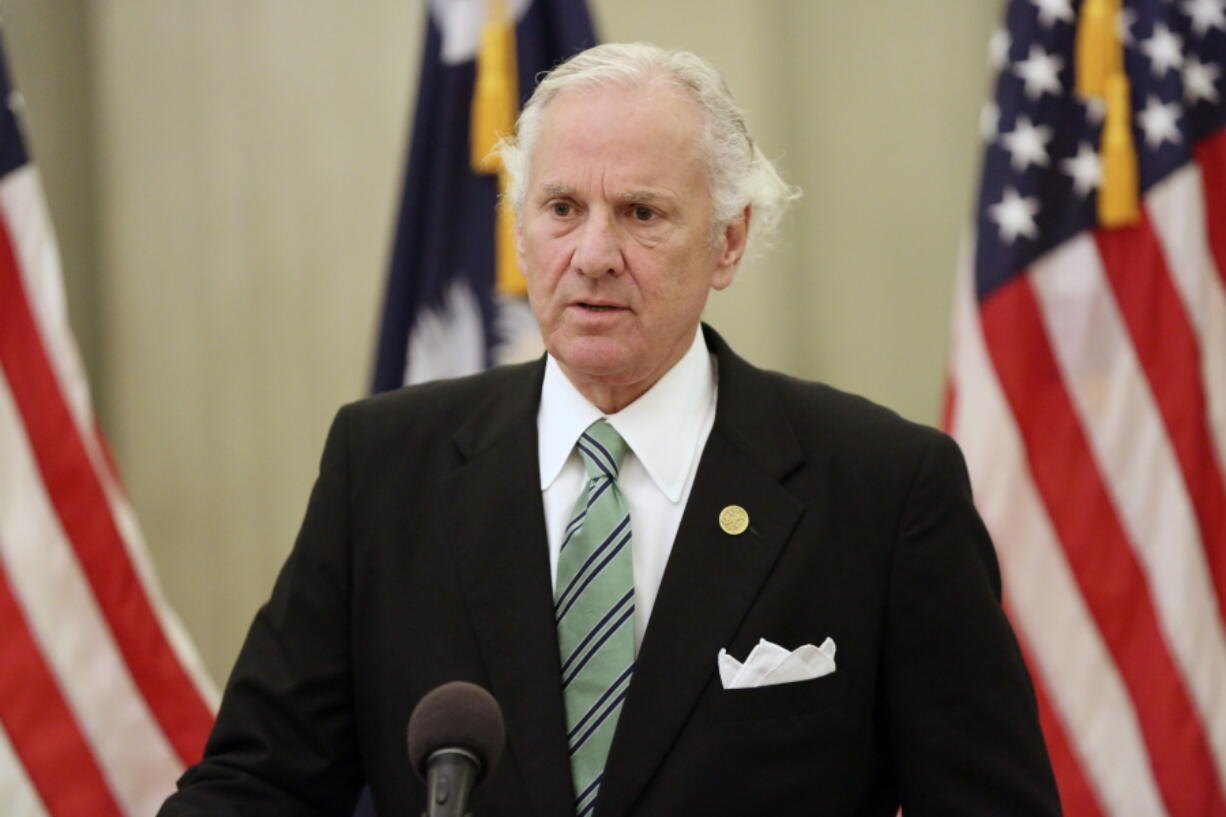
[518, 233]
[735, 237]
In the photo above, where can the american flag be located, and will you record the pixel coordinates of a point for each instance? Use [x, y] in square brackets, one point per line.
[1088, 387]
[102, 700]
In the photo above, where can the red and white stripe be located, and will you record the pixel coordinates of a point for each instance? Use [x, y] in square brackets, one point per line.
[103, 702]
[1089, 396]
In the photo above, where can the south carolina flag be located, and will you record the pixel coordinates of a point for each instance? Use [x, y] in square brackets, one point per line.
[455, 302]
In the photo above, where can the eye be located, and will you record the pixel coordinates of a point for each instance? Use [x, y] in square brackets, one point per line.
[643, 213]
[561, 209]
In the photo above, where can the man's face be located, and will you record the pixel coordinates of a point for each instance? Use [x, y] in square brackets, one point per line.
[616, 236]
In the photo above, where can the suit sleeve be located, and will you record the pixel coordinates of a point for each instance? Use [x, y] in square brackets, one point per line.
[962, 711]
[284, 741]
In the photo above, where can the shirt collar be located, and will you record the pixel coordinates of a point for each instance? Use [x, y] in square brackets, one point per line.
[662, 427]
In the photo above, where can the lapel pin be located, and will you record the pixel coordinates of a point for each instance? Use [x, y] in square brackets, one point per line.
[734, 520]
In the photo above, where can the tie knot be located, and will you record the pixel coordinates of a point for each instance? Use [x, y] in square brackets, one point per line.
[602, 449]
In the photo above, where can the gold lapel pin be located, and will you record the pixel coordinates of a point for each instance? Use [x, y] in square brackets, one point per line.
[734, 520]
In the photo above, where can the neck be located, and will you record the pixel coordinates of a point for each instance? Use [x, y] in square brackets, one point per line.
[613, 392]
[611, 399]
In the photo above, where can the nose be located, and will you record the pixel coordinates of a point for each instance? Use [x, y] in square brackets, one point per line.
[598, 248]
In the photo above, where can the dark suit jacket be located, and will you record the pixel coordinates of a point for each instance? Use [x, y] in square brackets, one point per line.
[422, 559]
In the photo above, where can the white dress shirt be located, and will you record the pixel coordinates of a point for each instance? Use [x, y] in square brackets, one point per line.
[666, 430]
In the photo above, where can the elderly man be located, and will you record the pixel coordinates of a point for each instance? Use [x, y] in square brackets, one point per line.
[695, 587]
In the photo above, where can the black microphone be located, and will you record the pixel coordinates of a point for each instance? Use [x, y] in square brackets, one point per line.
[456, 735]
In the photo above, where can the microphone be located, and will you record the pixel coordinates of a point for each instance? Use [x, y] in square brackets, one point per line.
[456, 735]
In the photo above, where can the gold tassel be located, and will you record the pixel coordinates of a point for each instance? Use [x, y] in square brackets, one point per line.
[495, 107]
[1117, 199]
[1095, 32]
[1100, 75]
[495, 93]
[508, 279]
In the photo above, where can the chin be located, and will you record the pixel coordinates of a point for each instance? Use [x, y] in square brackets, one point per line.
[596, 359]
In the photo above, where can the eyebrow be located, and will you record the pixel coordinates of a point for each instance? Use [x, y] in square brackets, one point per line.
[632, 196]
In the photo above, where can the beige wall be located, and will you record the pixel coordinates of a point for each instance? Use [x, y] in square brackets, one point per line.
[224, 176]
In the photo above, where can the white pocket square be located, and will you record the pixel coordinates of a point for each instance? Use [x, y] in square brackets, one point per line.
[769, 664]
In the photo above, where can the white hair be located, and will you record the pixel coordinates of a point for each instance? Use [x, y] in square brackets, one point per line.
[739, 173]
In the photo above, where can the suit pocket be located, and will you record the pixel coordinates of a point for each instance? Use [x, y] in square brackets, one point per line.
[777, 700]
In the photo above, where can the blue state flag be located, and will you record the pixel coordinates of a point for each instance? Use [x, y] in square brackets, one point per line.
[454, 302]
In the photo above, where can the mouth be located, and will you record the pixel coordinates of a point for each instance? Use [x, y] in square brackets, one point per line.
[591, 307]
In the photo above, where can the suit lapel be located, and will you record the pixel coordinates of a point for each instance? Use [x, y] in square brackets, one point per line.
[712, 577]
[498, 538]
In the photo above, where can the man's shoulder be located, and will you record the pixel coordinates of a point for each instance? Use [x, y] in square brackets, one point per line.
[833, 440]
[817, 399]
[450, 390]
[818, 414]
[821, 413]
[440, 406]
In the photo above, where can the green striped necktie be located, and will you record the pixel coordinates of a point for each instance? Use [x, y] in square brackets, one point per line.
[594, 608]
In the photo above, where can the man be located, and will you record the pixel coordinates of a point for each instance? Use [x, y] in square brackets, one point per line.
[603, 537]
